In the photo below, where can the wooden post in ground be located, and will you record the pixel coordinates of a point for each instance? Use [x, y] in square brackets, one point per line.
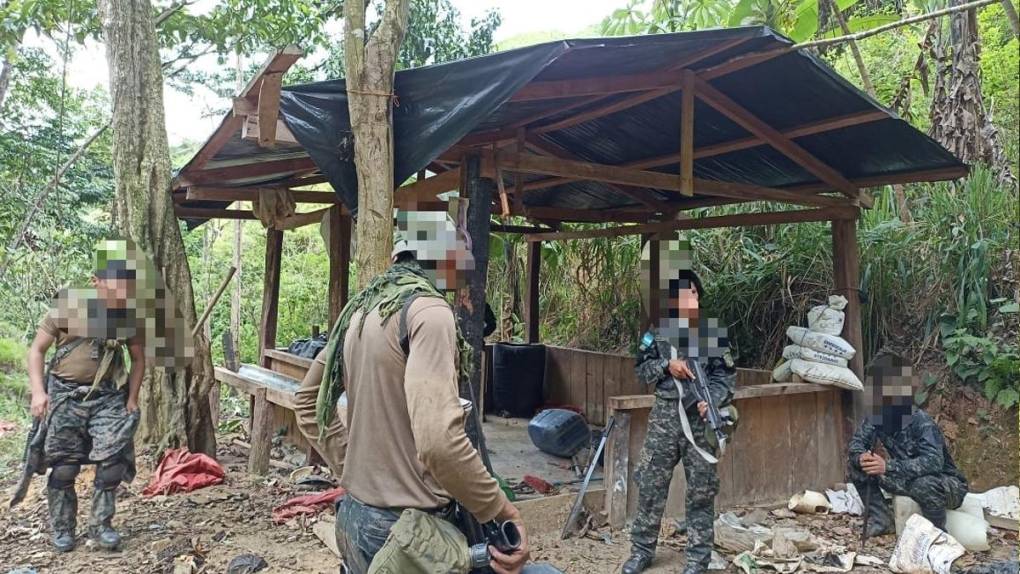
[652, 312]
[531, 303]
[261, 434]
[339, 249]
[846, 282]
[270, 293]
[479, 192]
[687, 135]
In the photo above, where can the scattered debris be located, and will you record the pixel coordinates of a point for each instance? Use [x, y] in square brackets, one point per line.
[809, 502]
[307, 504]
[847, 501]
[537, 484]
[185, 564]
[246, 564]
[1002, 506]
[756, 516]
[784, 513]
[924, 549]
[865, 560]
[762, 557]
[717, 562]
[801, 539]
[733, 536]
[183, 471]
[28, 570]
[833, 562]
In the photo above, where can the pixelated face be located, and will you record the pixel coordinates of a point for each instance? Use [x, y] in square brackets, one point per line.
[442, 250]
[116, 292]
[687, 300]
[891, 401]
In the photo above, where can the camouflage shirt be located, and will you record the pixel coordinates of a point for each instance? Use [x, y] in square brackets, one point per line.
[652, 367]
[918, 449]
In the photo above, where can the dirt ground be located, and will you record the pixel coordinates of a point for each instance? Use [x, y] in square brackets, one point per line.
[211, 526]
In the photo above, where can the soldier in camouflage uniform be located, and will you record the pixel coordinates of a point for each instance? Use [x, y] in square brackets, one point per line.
[666, 444]
[88, 414]
[918, 462]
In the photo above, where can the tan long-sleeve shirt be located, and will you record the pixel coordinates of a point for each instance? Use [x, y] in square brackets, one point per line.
[408, 447]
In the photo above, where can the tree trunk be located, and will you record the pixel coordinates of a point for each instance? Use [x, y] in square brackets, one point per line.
[1014, 19]
[958, 118]
[175, 407]
[5, 77]
[861, 68]
[369, 64]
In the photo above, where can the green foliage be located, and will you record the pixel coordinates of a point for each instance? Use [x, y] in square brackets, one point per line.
[12, 355]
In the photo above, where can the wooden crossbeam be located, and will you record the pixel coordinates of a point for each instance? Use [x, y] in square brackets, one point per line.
[209, 193]
[742, 61]
[556, 214]
[640, 195]
[529, 163]
[601, 85]
[202, 213]
[735, 220]
[302, 181]
[426, 190]
[745, 119]
[713, 150]
[250, 170]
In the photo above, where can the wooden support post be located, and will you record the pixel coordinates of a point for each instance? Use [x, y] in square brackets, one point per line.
[531, 304]
[846, 282]
[261, 434]
[687, 135]
[479, 192]
[339, 250]
[652, 319]
[270, 293]
[618, 470]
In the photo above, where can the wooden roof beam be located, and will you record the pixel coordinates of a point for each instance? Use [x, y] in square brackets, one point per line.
[250, 130]
[559, 214]
[713, 150]
[735, 220]
[279, 62]
[641, 195]
[940, 174]
[529, 163]
[242, 171]
[745, 119]
[427, 189]
[212, 193]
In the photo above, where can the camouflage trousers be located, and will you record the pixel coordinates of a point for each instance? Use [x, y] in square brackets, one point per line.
[665, 447]
[87, 428]
[934, 493]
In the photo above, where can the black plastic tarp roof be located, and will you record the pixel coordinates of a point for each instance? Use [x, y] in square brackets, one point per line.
[438, 105]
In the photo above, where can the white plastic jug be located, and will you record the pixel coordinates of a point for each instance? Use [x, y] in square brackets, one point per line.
[966, 526]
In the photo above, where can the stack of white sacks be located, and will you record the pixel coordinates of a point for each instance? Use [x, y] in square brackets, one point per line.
[818, 354]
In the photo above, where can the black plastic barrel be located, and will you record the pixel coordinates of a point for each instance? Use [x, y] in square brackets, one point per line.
[518, 378]
[559, 432]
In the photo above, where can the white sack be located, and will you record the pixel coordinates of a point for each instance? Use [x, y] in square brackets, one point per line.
[783, 373]
[841, 377]
[828, 318]
[797, 352]
[830, 344]
[924, 549]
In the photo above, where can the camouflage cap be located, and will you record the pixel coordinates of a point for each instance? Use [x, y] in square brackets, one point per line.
[116, 259]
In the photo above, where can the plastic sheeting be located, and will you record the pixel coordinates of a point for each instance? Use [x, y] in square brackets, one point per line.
[436, 106]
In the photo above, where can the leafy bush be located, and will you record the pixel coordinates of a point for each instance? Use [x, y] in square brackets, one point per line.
[12, 355]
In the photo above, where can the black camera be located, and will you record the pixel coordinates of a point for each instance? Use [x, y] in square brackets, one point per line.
[504, 536]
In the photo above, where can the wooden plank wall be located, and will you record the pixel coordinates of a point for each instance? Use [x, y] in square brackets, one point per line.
[586, 379]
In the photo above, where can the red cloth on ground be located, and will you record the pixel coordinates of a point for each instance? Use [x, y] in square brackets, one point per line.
[306, 504]
[183, 471]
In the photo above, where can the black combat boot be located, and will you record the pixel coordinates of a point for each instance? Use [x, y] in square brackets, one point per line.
[637, 563]
[936, 516]
[63, 505]
[103, 508]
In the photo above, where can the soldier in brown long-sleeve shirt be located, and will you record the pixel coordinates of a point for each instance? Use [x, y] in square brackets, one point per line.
[407, 444]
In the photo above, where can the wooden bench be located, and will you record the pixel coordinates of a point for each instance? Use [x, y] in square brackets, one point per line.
[272, 405]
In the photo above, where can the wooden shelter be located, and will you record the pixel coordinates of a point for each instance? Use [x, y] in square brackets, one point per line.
[627, 131]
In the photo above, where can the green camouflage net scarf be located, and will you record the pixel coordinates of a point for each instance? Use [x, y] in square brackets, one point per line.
[388, 292]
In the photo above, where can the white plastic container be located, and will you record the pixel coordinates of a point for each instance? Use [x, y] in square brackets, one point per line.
[968, 528]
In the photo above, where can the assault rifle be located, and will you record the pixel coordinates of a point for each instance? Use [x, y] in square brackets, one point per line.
[716, 421]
